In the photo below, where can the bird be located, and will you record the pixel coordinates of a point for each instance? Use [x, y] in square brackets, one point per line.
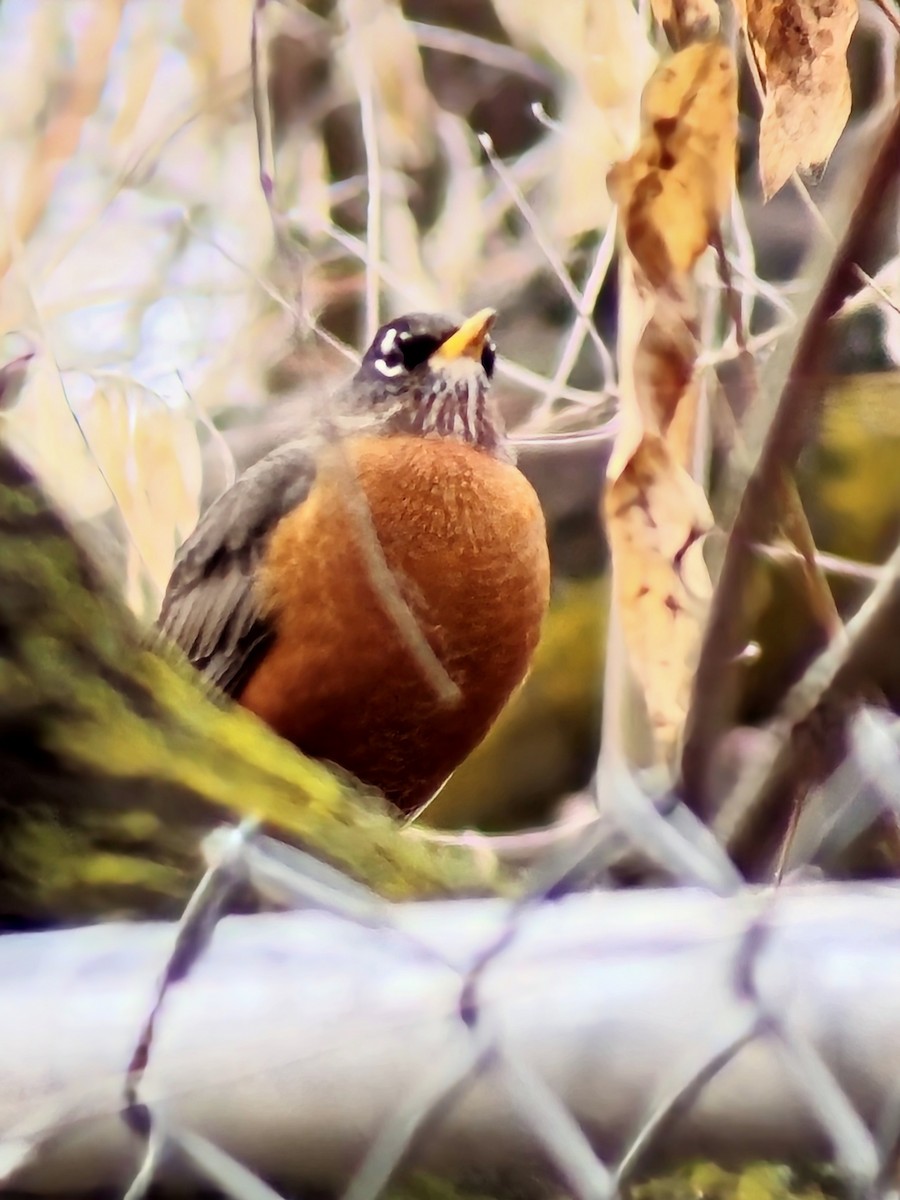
[378, 598]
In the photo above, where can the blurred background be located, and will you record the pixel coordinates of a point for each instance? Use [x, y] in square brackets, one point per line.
[211, 206]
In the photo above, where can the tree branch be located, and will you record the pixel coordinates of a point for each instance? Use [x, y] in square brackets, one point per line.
[114, 759]
[789, 404]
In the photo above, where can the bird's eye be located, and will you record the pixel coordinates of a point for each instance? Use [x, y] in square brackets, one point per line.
[403, 352]
[400, 353]
[417, 349]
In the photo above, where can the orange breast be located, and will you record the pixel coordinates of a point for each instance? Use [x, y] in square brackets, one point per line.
[464, 537]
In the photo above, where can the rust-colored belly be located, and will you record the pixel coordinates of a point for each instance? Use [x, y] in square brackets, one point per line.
[464, 537]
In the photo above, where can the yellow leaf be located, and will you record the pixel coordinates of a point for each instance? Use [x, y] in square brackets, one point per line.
[556, 29]
[675, 188]
[579, 166]
[665, 356]
[656, 516]
[672, 194]
[42, 428]
[149, 457]
[800, 51]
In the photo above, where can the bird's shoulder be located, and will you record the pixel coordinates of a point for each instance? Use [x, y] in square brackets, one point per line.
[211, 609]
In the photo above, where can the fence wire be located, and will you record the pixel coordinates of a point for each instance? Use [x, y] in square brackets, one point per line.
[565, 1043]
[574, 1037]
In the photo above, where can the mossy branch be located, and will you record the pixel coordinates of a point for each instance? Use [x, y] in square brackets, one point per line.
[115, 761]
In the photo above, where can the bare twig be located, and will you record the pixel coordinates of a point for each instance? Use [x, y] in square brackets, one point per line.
[833, 564]
[579, 329]
[789, 402]
[585, 317]
[585, 399]
[261, 108]
[830, 683]
[365, 87]
[480, 49]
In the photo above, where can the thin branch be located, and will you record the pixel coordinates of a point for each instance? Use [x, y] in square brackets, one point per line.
[361, 70]
[555, 262]
[832, 680]
[262, 113]
[824, 229]
[578, 331]
[480, 49]
[587, 400]
[789, 403]
[833, 564]
[579, 437]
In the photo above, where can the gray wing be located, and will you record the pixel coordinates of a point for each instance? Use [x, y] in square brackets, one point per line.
[210, 608]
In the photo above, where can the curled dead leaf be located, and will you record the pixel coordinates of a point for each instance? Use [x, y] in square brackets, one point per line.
[656, 516]
[799, 48]
[675, 188]
[672, 194]
[665, 358]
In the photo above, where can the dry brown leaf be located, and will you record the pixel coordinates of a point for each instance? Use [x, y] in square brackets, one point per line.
[672, 194]
[656, 517]
[674, 190]
[149, 457]
[800, 51]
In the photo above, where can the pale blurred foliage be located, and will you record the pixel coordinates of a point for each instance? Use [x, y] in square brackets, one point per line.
[155, 285]
[606, 57]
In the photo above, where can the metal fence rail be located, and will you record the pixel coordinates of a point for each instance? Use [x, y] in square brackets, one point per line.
[594, 1034]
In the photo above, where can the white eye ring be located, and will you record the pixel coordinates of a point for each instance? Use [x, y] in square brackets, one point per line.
[388, 350]
[389, 369]
[387, 342]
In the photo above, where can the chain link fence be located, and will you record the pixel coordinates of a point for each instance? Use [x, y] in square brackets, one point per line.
[571, 1039]
[566, 1042]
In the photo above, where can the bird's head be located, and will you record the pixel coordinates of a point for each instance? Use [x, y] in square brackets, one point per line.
[425, 373]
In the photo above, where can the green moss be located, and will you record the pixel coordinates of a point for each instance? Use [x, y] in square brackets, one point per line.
[756, 1181]
[422, 1186]
[115, 760]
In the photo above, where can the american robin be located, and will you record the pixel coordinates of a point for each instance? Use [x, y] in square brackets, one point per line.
[278, 599]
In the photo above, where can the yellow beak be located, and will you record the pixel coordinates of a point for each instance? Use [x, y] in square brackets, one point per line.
[469, 339]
